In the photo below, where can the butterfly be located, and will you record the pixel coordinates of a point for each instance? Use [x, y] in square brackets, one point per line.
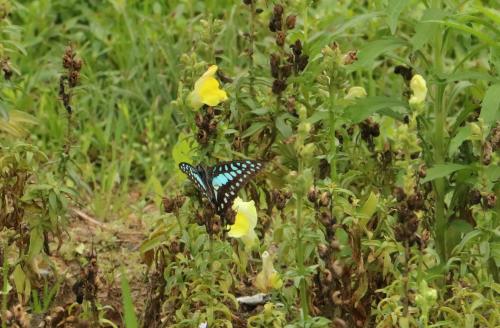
[220, 183]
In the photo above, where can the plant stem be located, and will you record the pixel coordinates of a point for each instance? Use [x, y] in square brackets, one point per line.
[300, 249]
[333, 146]
[406, 279]
[5, 276]
[251, 49]
[439, 144]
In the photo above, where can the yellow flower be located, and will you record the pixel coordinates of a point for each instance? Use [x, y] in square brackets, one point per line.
[245, 222]
[207, 90]
[355, 92]
[268, 278]
[418, 87]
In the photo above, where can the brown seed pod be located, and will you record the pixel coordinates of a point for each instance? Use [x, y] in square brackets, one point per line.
[278, 86]
[324, 199]
[474, 197]
[422, 171]
[296, 48]
[312, 194]
[199, 120]
[490, 200]
[202, 137]
[339, 323]
[302, 62]
[212, 126]
[337, 298]
[326, 219]
[487, 152]
[274, 61]
[280, 38]
[416, 201]
[290, 21]
[338, 268]
[327, 276]
[350, 57]
[168, 204]
[278, 10]
[286, 71]
[399, 193]
[322, 250]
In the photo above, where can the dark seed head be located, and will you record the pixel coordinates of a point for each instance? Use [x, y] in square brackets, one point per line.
[312, 194]
[490, 200]
[279, 86]
[280, 38]
[474, 197]
[290, 21]
[274, 62]
[278, 10]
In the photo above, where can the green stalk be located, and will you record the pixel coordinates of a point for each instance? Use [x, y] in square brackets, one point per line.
[333, 146]
[300, 248]
[5, 276]
[439, 145]
[251, 48]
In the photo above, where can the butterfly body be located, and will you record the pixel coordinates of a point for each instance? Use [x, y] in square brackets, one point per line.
[221, 183]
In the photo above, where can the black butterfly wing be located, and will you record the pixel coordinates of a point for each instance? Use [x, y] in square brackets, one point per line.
[227, 178]
[197, 176]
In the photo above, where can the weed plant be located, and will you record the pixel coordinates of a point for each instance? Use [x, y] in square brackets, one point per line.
[378, 123]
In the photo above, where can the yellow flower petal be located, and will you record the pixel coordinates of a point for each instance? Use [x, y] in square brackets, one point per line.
[245, 222]
[207, 90]
[210, 93]
[268, 278]
[418, 87]
[240, 227]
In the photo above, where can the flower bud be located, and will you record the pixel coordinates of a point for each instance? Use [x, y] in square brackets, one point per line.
[304, 128]
[476, 130]
[418, 87]
[308, 150]
[355, 92]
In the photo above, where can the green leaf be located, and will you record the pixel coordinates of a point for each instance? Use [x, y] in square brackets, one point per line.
[454, 234]
[485, 38]
[367, 106]
[369, 53]
[128, 306]
[394, 9]
[36, 243]
[253, 129]
[285, 129]
[22, 283]
[424, 30]
[370, 205]
[491, 104]
[183, 150]
[443, 170]
[463, 134]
